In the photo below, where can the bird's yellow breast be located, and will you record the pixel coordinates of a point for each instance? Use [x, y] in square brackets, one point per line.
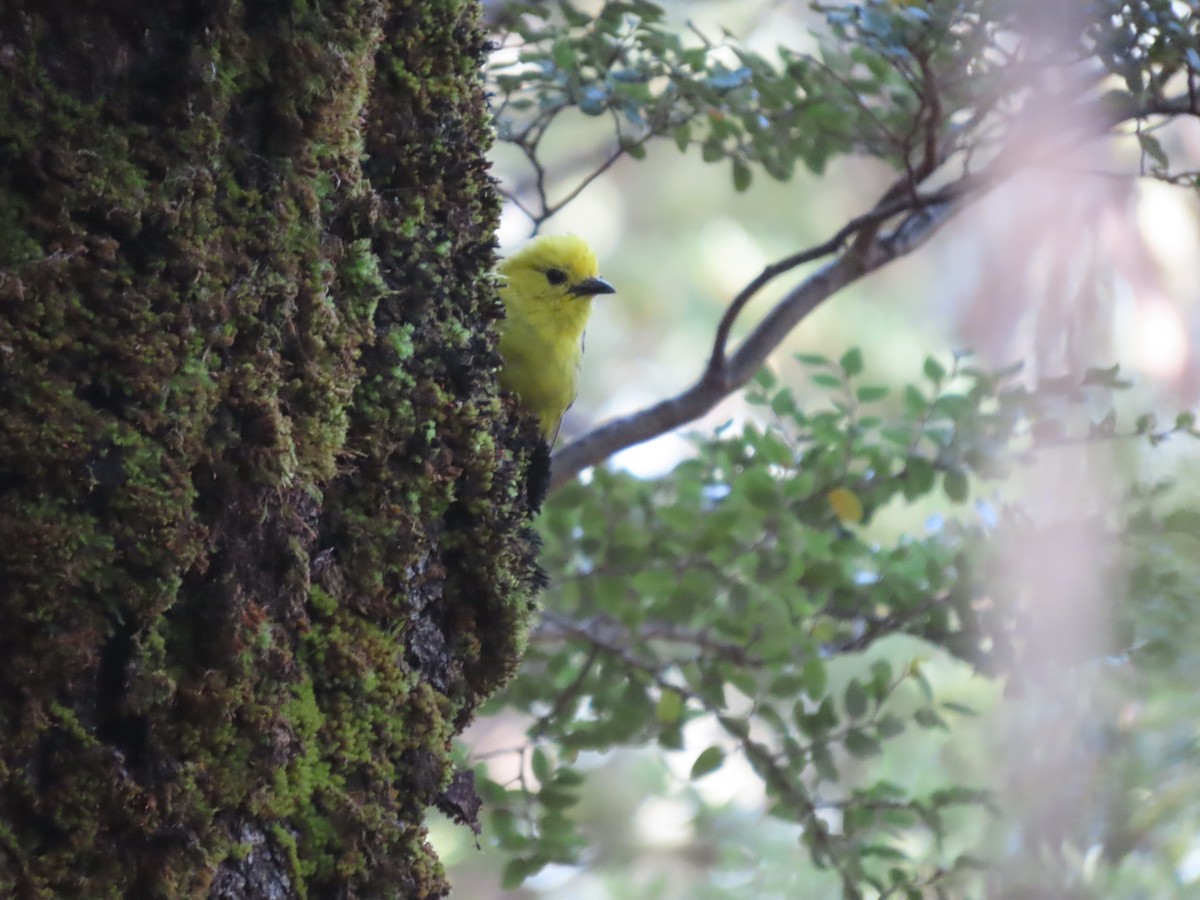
[542, 348]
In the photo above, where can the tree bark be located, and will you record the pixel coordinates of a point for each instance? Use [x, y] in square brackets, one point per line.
[264, 524]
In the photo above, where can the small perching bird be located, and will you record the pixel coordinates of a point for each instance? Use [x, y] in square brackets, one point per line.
[547, 292]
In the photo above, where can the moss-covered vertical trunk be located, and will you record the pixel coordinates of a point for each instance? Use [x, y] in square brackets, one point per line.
[263, 541]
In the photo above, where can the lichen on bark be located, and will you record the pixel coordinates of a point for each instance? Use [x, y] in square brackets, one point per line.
[264, 525]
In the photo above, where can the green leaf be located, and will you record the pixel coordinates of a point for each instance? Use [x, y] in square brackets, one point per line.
[971, 863]
[823, 762]
[682, 135]
[568, 777]
[882, 851]
[871, 393]
[812, 359]
[861, 745]
[934, 370]
[707, 762]
[786, 685]
[855, 699]
[711, 150]
[915, 401]
[888, 726]
[765, 379]
[852, 362]
[956, 485]
[646, 10]
[961, 708]
[783, 403]
[742, 176]
[816, 678]
[516, 870]
[928, 718]
[1152, 148]
[564, 55]
[504, 826]
[735, 725]
[1182, 521]
[669, 708]
[573, 16]
[759, 488]
[671, 738]
[958, 795]
[557, 797]
[881, 677]
[919, 475]
[540, 765]
[952, 406]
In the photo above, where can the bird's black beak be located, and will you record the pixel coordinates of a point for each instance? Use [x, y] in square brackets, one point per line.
[589, 287]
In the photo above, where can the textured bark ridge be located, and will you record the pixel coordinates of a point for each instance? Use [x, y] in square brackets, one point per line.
[264, 524]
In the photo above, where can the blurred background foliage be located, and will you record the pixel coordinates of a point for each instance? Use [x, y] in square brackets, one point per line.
[901, 620]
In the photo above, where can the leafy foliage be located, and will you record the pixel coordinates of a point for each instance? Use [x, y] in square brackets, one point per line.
[777, 592]
[732, 592]
[914, 84]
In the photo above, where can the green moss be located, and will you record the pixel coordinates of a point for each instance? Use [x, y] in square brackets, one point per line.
[287, 843]
[402, 344]
[262, 515]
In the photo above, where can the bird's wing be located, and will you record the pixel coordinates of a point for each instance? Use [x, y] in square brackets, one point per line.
[578, 366]
[558, 427]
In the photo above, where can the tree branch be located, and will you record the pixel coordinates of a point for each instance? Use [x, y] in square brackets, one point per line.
[926, 214]
[612, 634]
[724, 376]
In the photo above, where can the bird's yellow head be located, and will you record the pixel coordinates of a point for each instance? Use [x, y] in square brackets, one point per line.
[555, 271]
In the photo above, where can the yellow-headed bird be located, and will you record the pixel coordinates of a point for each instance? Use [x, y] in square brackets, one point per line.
[547, 293]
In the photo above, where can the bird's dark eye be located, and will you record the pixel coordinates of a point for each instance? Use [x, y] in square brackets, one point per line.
[556, 276]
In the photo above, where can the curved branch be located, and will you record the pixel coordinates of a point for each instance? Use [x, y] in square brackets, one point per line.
[890, 205]
[724, 376]
[870, 250]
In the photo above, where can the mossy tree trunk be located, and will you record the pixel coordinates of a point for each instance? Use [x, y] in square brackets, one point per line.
[264, 540]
